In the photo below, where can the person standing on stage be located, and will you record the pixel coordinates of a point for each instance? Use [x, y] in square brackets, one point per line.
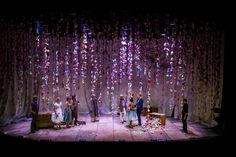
[67, 112]
[57, 117]
[131, 114]
[139, 107]
[122, 108]
[74, 109]
[185, 115]
[94, 106]
[34, 112]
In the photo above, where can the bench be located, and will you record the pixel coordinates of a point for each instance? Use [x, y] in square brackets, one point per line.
[44, 120]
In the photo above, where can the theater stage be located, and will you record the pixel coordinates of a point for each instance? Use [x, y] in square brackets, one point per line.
[110, 129]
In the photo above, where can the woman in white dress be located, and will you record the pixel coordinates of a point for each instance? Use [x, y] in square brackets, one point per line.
[57, 117]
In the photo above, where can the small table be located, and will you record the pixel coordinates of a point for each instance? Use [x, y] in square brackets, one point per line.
[161, 116]
[44, 120]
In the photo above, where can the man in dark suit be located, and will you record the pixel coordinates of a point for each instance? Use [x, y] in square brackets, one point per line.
[185, 115]
[94, 112]
[34, 112]
[139, 106]
[74, 109]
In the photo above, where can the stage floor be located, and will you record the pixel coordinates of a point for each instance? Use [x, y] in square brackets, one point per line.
[110, 129]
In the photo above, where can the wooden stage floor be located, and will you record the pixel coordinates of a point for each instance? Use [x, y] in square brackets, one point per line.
[109, 129]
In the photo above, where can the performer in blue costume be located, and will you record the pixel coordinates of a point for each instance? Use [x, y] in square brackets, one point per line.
[131, 114]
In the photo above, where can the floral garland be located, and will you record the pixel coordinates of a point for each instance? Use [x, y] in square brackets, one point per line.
[130, 66]
[94, 68]
[113, 77]
[123, 56]
[75, 57]
[138, 61]
[45, 68]
[67, 69]
[100, 77]
[84, 54]
[57, 62]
